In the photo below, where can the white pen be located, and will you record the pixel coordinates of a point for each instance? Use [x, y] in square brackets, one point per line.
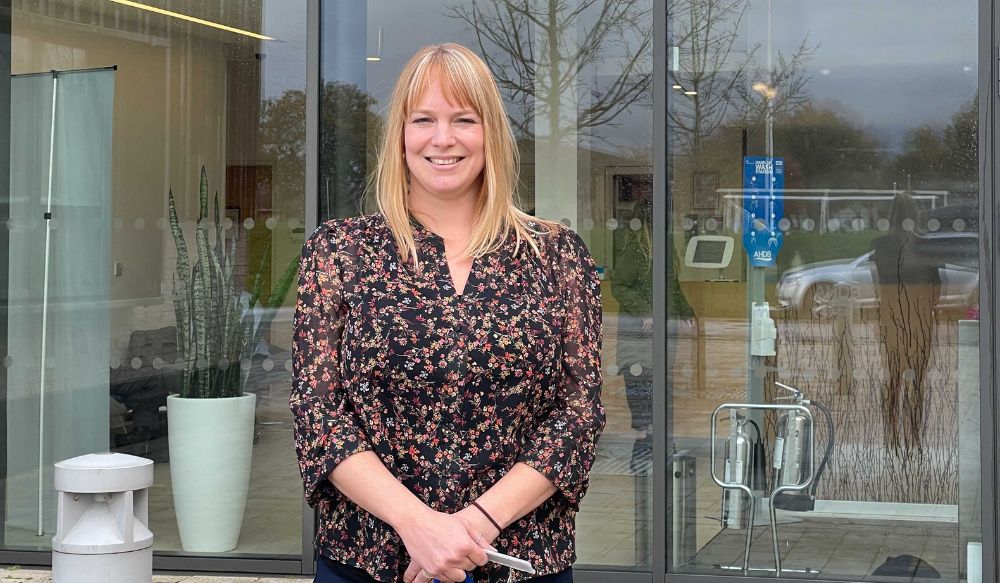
[509, 561]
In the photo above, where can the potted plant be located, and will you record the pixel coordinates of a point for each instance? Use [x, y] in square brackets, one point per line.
[211, 420]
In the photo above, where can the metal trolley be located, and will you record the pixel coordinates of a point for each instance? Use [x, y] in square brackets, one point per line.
[801, 485]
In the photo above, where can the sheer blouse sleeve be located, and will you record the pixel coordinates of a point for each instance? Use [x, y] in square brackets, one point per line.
[565, 445]
[325, 430]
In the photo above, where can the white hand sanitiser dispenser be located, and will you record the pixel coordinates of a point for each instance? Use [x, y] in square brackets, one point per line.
[763, 331]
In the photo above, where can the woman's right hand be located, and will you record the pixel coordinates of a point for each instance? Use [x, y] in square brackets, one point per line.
[442, 546]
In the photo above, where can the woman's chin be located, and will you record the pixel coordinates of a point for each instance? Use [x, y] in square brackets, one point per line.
[449, 189]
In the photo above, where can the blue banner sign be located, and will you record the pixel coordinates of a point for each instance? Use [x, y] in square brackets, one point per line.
[763, 207]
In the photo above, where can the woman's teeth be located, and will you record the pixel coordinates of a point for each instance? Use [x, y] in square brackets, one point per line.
[443, 161]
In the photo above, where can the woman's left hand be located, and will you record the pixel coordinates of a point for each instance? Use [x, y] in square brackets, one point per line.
[476, 522]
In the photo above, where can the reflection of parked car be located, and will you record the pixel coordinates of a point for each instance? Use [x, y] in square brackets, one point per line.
[953, 218]
[824, 287]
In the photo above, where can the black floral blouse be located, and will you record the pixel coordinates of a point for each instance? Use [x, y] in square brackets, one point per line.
[449, 390]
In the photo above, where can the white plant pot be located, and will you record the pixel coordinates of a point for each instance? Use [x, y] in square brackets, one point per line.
[211, 447]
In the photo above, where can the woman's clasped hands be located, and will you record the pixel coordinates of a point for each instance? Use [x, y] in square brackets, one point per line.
[445, 546]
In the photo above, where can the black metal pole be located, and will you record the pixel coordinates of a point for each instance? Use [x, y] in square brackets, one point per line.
[5, 58]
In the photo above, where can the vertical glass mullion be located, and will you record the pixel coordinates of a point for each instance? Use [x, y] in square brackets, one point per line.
[313, 62]
[661, 235]
[5, 54]
[989, 61]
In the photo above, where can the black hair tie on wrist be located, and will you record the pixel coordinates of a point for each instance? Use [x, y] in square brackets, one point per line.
[487, 515]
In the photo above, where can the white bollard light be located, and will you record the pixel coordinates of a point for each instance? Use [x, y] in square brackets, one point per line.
[102, 533]
[974, 562]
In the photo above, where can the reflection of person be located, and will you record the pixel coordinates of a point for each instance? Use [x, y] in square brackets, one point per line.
[431, 423]
[908, 290]
[142, 392]
[632, 287]
[141, 385]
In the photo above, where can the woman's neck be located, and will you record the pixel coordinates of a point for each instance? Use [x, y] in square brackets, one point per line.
[452, 220]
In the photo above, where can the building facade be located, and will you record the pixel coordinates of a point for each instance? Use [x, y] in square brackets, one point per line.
[790, 204]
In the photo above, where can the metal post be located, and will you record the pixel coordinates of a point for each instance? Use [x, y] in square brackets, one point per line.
[45, 305]
[683, 527]
[756, 275]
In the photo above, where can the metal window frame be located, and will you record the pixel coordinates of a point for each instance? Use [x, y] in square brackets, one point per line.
[313, 63]
[313, 67]
[989, 95]
[5, 71]
[989, 374]
[176, 563]
[661, 236]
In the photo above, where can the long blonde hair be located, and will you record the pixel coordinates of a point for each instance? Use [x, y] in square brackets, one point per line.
[465, 78]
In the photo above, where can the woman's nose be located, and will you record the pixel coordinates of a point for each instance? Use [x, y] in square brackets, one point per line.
[443, 135]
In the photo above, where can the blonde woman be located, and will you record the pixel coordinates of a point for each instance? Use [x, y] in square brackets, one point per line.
[447, 353]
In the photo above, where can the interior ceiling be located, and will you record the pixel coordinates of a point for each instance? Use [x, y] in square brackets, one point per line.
[245, 14]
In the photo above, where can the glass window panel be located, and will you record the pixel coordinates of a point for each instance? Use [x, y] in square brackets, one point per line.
[874, 289]
[147, 102]
[580, 101]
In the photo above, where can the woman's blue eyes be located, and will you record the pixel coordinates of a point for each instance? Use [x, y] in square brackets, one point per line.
[462, 120]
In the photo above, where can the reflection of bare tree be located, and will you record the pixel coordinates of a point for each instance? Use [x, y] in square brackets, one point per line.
[828, 147]
[347, 124]
[348, 128]
[537, 49]
[721, 84]
[862, 467]
[936, 157]
[282, 140]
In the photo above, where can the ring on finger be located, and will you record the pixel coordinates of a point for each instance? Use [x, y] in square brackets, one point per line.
[425, 575]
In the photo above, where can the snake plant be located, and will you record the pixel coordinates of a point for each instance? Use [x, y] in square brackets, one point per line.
[218, 325]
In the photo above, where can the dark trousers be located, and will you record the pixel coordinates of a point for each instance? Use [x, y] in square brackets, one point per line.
[330, 572]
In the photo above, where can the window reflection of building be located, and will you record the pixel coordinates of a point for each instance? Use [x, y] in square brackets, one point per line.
[187, 95]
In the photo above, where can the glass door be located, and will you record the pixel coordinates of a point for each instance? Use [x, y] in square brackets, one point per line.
[823, 296]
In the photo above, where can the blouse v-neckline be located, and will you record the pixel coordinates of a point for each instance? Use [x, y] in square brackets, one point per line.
[421, 233]
[451, 276]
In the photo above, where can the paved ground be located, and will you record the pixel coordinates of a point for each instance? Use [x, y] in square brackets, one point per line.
[17, 575]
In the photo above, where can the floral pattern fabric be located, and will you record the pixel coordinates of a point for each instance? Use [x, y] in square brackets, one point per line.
[449, 390]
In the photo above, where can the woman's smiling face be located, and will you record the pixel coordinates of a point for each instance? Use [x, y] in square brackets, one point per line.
[443, 142]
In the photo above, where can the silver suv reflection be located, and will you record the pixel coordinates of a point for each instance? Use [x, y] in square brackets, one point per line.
[823, 288]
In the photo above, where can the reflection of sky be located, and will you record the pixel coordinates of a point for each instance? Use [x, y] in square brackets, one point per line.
[408, 26]
[883, 32]
[284, 66]
[890, 64]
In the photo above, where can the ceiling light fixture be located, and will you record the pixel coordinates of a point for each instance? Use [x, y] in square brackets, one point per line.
[690, 93]
[677, 86]
[201, 21]
[378, 52]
